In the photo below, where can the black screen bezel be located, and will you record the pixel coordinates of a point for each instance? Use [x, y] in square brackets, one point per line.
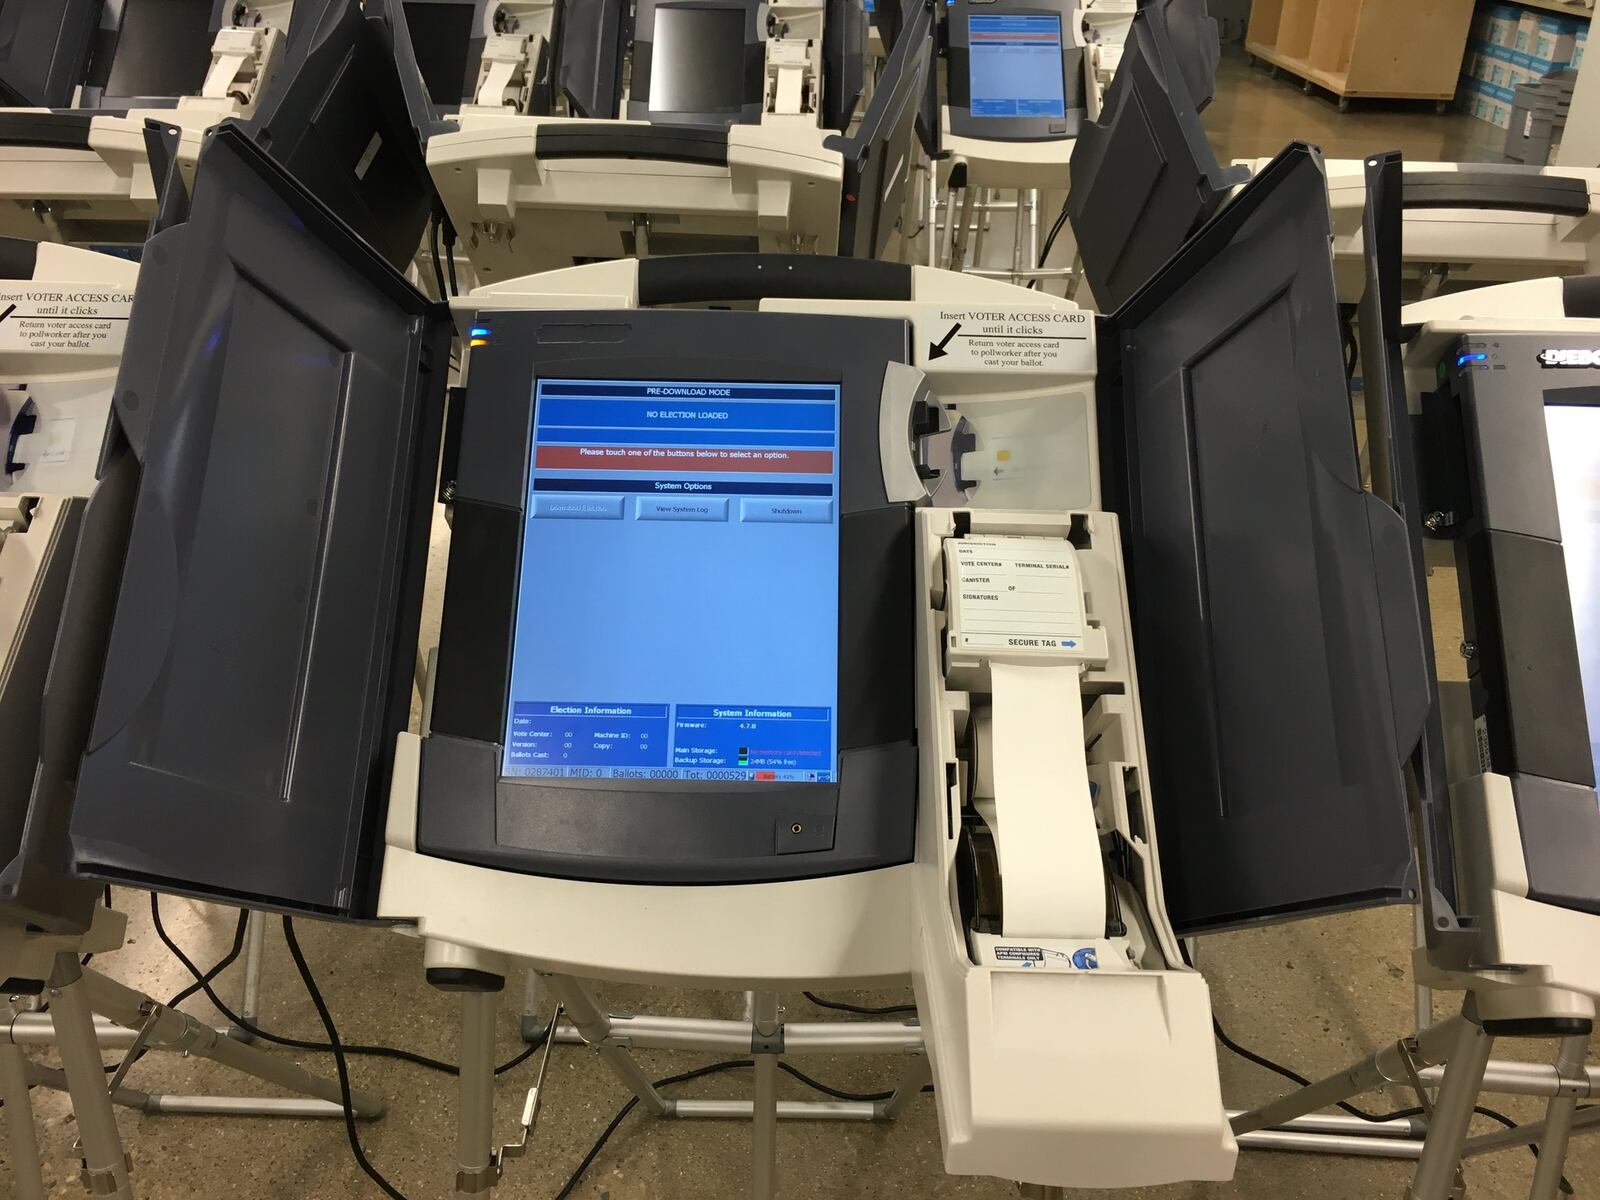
[748, 113]
[671, 831]
[1015, 129]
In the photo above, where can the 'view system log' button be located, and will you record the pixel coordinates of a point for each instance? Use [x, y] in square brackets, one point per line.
[685, 508]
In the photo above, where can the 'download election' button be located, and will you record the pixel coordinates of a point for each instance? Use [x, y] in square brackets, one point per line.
[792, 510]
[578, 508]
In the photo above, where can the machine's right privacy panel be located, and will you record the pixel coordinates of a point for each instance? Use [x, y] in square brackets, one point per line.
[1255, 557]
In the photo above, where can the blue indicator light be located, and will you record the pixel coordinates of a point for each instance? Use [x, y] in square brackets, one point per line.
[479, 331]
[1467, 358]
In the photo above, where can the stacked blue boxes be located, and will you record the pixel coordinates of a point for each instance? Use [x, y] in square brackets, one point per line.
[1509, 46]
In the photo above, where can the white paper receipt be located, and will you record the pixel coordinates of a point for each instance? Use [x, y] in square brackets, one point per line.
[1022, 593]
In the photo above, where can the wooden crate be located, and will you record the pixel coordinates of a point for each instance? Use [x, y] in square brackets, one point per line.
[1395, 49]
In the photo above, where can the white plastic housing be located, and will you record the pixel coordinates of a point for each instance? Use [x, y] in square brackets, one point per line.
[1073, 1077]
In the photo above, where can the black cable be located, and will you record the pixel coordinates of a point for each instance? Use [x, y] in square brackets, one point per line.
[227, 960]
[339, 1063]
[1347, 336]
[433, 249]
[1050, 238]
[826, 1090]
[633, 1102]
[714, 1068]
[860, 1010]
[407, 1056]
[450, 253]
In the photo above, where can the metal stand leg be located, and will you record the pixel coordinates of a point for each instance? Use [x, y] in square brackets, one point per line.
[1386, 1067]
[1034, 199]
[985, 198]
[1016, 241]
[105, 1166]
[917, 1071]
[1424, 995]
[593, 1023]
[168, 1028]
[1558, 1123]
[1451, 1120]
[531, 1027]
[255, 935]
[1072, 294]
[1587, 1121]
[948, 233]
[27, 1181]
[475, 1172]
[764, 1127]
[958, 253]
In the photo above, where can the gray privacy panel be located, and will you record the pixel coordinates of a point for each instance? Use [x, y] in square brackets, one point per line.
[284, 403]
[1143, 174]
[44, 50]
[335, 116]
[1260, 573]
[34, 886]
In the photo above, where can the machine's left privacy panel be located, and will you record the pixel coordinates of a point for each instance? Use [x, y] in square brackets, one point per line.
[282, 390]
[44, 48]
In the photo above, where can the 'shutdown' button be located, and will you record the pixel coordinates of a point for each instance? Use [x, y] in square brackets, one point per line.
[796, 510]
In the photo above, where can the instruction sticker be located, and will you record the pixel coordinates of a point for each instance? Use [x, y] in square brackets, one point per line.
[57, 319]
[969, 339]
[1016, 594]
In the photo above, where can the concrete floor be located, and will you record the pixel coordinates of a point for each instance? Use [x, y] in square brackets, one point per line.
[1316, 994]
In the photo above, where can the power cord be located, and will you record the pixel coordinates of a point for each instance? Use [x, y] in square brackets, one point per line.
[701, 1072]
[433, 249]
[450, 253]
[339, 1062]
[408, 1056]
[1300, 1080]
[633, 1103]
[1050, 241]
[859, 1009]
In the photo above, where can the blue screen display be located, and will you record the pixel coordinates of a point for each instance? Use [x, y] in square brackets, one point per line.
[1574, 432]
[678, 606]
[1015, 66]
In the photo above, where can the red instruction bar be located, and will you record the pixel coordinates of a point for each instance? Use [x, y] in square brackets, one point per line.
[683, 458]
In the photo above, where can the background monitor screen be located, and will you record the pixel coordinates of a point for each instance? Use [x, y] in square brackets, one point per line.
[1015, 66]
[163, 49]
[678, 606]
[440, 35]
[1575, 453]
[697, 60]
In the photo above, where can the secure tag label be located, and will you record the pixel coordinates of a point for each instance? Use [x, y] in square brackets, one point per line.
[966, 339]
[1017, 594]
[63, 318]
